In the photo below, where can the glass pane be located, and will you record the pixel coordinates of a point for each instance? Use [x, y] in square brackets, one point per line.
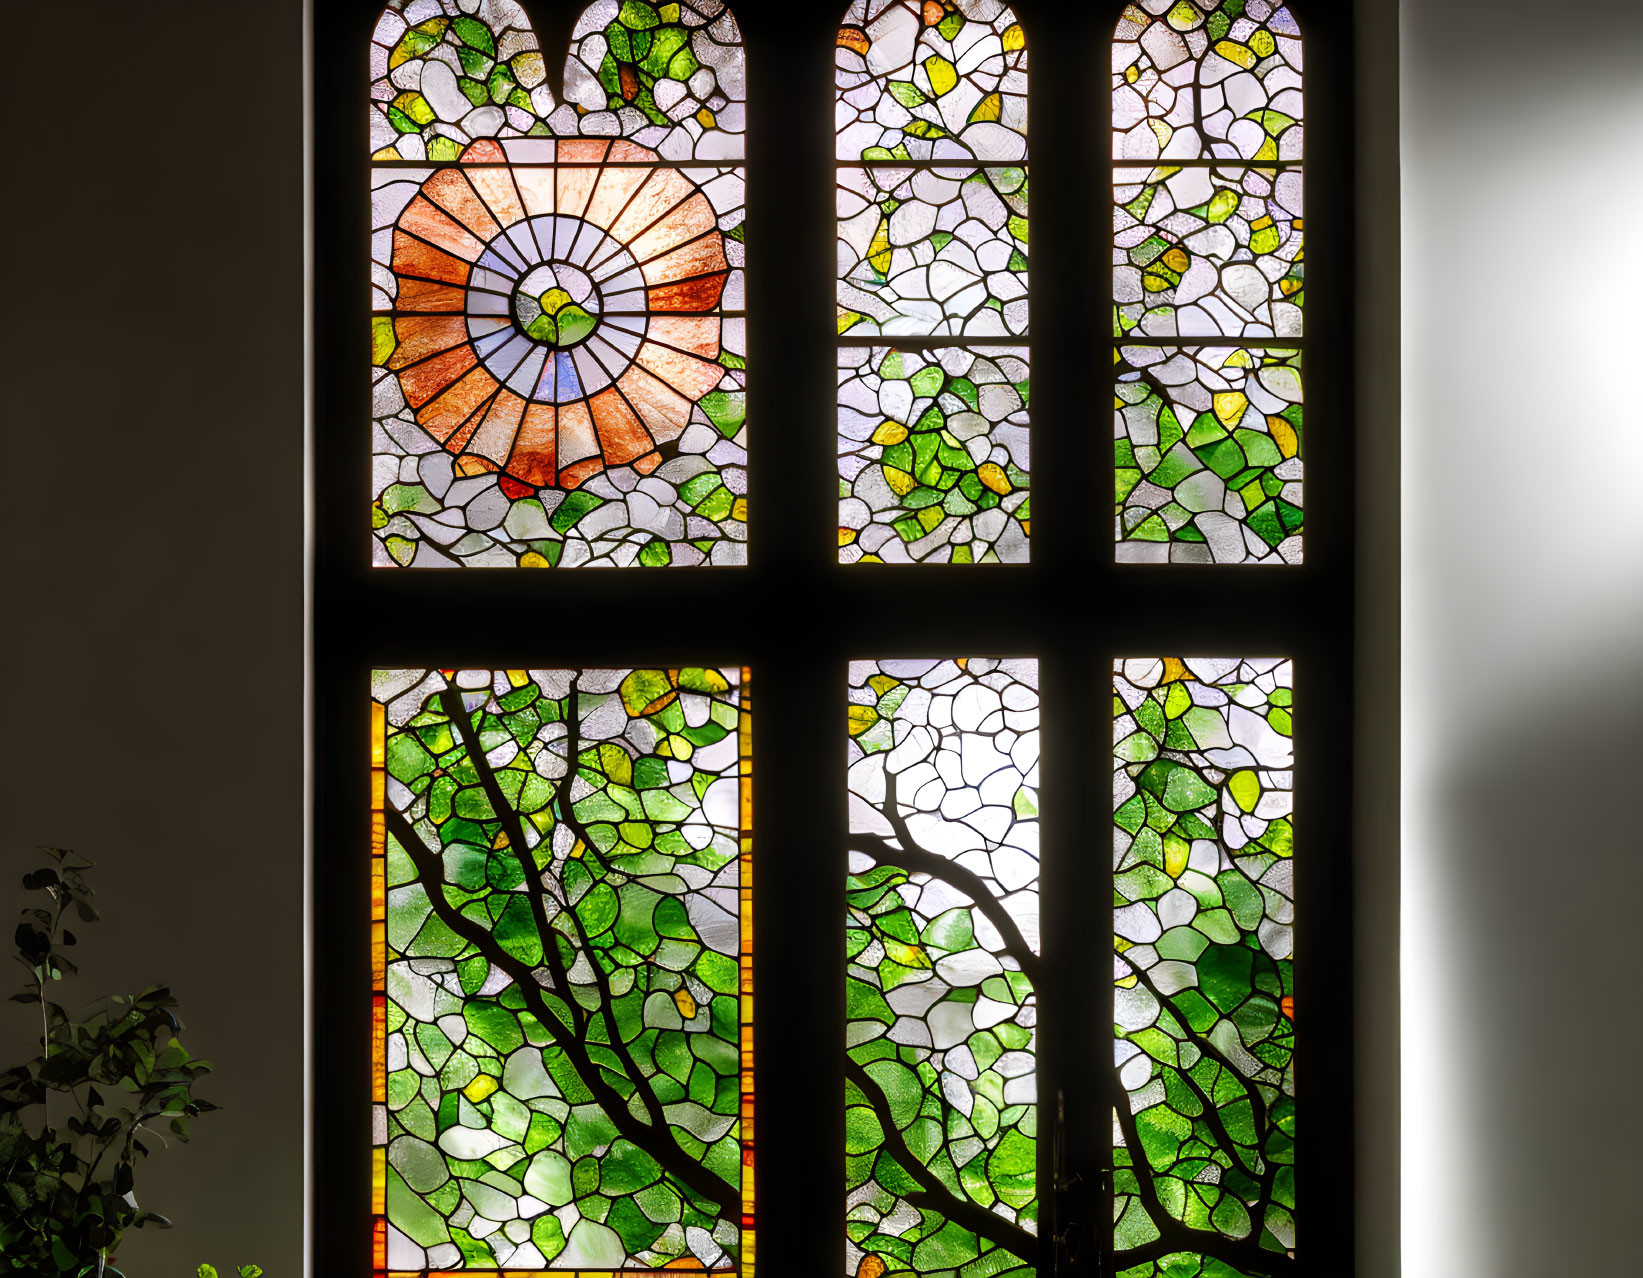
[933, 454]
[1203, 1002]
[933, 251]
[931, 113]
[931, 81]
[563, 980]
[1207, 252]
[558, 348]
[1208, 445]
[941, 1117]
[1208, 220]
[1202, 79]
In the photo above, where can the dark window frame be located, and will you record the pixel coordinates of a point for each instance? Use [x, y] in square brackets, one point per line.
[796, 617]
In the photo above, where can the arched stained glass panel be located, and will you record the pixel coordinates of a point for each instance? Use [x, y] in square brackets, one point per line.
[558, 341]
[934, 366]
[1208, 282]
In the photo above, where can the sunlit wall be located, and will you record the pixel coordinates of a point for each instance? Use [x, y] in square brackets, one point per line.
[1522, 132]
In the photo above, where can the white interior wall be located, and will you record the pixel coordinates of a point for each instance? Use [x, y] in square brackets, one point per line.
[1522, 726]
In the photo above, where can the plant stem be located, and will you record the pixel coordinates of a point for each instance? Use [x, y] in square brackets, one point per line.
[45, 1021]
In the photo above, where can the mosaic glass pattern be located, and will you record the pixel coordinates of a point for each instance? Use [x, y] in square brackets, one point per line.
[941, 1119]
[563, 974]
[931, 113]
[933, 455]
[1207, 252]
[1203, 1004]
[1209, 454]
[446, 73]
[558, 348]
[1207, 243]
[931, 80]
[932, 251]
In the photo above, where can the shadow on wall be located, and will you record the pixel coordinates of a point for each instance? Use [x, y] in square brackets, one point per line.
[153, 560]
[1540, 873]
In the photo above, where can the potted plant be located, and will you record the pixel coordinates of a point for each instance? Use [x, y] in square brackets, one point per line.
[75, 1120]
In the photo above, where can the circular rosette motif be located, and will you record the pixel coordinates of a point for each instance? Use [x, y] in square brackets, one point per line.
[553, 320]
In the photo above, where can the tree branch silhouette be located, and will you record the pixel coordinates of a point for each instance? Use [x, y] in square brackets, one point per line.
[657, 1141]
[913, 857]
[934, 1194]
[1242, 1253]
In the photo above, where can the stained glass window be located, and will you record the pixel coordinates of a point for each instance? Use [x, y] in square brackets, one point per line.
[1208, 282]
[558, 342]
[931, 113]
[941, 1118]
[1203, 893]
[563, 981]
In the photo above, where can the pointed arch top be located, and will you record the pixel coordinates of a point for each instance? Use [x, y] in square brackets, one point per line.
[1207, 79]
[447, 73]
[931, 80]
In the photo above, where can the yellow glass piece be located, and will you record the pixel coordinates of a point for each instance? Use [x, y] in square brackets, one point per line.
[992, 474]
[1238, 53]
[878, 253]
[529, 69]
[738, 509]
[943, 75]
[1177, 851]
[554, 301]
[416, 106]
[846, 536]
[988, 109]
[480, 1088]
[1245, 789]
[383, 340]
[530, 559]
[1230, 407]
[1014, 38]
[685, 1003]
[1283, 434]
[409, 45]
[901, 483]
[890, 433]
[707, 119]
[1184, 17]
[1263, 44]
[861, 719]
[1223, 204]
[1132, 73]
[1177, 260]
